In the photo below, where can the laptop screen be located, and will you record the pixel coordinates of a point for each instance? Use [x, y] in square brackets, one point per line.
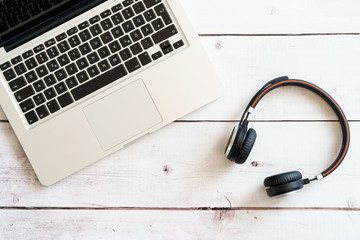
[18, 16]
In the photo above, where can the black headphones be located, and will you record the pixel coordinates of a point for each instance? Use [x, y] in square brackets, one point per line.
[242, 140]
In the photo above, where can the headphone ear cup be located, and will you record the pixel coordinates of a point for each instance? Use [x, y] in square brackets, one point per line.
[283, 183]
[235, 142]
[247, 146]
[282, 178]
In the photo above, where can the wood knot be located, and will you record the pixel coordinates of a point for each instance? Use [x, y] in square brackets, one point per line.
[218, 46]
[166, 169]
[254, 164]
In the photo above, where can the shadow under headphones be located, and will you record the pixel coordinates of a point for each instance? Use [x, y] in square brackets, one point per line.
[242, 139]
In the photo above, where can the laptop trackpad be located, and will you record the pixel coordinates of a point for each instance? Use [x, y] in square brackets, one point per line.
[122, 115]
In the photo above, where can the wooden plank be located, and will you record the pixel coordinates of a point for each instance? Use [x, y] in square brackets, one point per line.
[244, 64]
[183, 165]
[273, 16]
[250, 224]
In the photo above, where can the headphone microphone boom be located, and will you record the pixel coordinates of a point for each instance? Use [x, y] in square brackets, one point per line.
[242, 139]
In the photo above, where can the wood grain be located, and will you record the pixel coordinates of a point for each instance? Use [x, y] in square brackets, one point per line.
[189, 170]
[147, 224]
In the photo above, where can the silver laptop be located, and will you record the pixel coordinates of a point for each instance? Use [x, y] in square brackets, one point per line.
[82, 79]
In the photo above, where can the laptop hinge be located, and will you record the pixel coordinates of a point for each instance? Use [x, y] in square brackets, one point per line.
[50, 24]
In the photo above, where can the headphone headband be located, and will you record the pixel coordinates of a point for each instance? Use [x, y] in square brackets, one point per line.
[285, 81]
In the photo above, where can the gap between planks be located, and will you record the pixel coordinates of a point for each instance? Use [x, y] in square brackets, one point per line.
[187, 208]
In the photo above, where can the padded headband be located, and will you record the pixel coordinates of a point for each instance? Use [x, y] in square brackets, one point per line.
[285, 81]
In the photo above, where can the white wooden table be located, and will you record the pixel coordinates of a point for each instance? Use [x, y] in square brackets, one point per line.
[176, 183]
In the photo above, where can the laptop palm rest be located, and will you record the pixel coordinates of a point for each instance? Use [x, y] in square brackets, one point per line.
[122, 115]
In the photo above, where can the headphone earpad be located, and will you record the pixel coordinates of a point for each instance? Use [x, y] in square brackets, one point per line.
[282, 178]
[247, 146]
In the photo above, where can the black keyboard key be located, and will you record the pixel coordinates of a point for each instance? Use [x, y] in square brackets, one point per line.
[42, 71]
[38, 49]
[149, 15]
[42, 58]
[39, 86]
[117, 32]
[60, 37]
[93, 58]
[128, 13]
[93, 71]
[164, 34]
[42, 112]
[136, 35]
[63, 60]
[125, 54]
[53, 106]
[60, 74]
[9, 74]
[52, 65]
[161, 11]
[16, 60]
[74, 54]
[71, 69]
[52, 52]
[105, 14]
[50, 93]
[114, 60]
[95, 30]
[60, 88]
[151, 3]
[27, 54]
[106, 37]
[5, 66]
[104, 52]
[95, 43]
[99, 82]
[147, 43]
[139, 7]
[63, 46]
[72, 31]
[31, 117]
[39, 99]
[116, 8]
[20, 69]
[156, 55]
[106, 24]
[27, 105]
[125, 41]
[71, 82]
[85, 49]
[17, 84]
[139, 21]
[74, 41]
[104, 65]
[82, 77]
[128, 26]
[157, 24]
[147, 30]
[82, 63]
[65, 100]
[114, 46]
[144, 58]
[31, 63]
[94, 19]
[50, 42]
[24, 93]
[31, 77]
[132, 65]
[85, 35]
[83, 25]
[136, 49]
[128, 2]
[117, 19]
[178, 44]
[50, 80]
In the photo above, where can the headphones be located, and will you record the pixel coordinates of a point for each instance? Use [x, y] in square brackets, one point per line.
[242, 139]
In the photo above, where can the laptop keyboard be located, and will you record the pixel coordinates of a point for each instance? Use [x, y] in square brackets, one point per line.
[104, 49]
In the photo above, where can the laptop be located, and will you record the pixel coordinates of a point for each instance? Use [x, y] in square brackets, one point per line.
[82, 79]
